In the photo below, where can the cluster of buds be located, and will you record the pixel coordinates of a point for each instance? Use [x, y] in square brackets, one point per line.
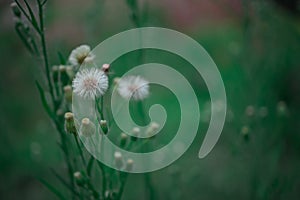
[152, 129]
[119, 162]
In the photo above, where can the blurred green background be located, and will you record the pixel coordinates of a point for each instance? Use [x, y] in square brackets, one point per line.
[254, 43]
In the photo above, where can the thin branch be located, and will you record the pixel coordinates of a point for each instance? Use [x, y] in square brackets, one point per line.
[44, 50]
[35, 25]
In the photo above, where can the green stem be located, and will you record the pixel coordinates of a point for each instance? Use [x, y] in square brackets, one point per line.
[79, 148]
[123, 179]
[104, 182]
[89, 166]
[44, 50]
[149, 187]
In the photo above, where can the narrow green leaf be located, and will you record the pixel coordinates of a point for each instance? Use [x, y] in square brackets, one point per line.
[90, 166]
[20, 31]
[44, 2]
[32, 17]
[62, 59]
[22, 9]
[36, 50]
[52, 189]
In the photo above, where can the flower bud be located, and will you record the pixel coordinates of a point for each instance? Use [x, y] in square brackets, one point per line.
[105, 68]
[14, 7]
[103, 125]
[245, 132]
[69, 123]
[110, 194]
[62, 68]
[87, 127]
[68, 93]
[129, 165]
[116, 80]
[60, 112]
[118, 160]
[135, 131]
[152, 129]
[282, 108]
[123, 140]
[250, 111]
[55, 71]
[70, 71]
[78, 175]
[79, 178]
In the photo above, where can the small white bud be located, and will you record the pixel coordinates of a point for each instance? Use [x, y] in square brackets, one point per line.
[124, 138]
[118, 160]
[116, 80]
[129, 165]
[87, 127]
[152, 129]
[105, 67]
[70, 71]
[68, 93]
[282, 108]
[60, 112]
[250, 111]
[78, 175]
[79, 178]
[55, 71]
[245, 132]
[69, 123]
[62, 68]
[135, 132]
[103, 124]
[15, 9]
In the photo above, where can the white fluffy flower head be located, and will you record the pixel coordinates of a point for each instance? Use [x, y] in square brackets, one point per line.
[133, 86]
[90, 83]
[80, 55]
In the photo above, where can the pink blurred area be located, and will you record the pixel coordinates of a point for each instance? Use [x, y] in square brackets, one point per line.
[194, 13]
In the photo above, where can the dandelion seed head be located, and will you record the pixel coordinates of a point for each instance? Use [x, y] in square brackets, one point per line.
[133, 86]
[90, 83]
